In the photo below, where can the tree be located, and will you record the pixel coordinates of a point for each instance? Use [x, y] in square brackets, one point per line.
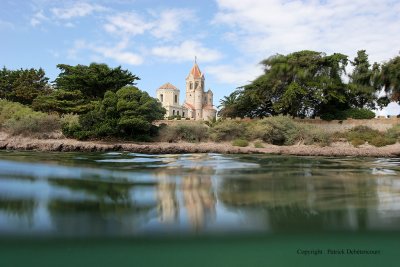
[127, 113]
[390, 78]
[305, 83]
[63, 102]
[363, 88]
[23, 85]
[93, 80]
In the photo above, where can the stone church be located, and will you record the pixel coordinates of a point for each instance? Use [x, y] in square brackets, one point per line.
[198, 104]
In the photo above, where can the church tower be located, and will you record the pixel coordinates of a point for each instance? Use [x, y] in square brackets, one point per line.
[195, 92]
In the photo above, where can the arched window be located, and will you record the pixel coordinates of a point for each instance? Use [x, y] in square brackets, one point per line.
[173, 112]
[196, 84]
[162, 98]
[177, 113]
[191, 85]
[183, 114]
[176, 99]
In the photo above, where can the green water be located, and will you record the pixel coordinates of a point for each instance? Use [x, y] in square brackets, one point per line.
[128, 209]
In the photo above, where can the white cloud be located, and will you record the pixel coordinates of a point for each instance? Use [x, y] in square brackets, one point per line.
[163, 25]
[76, 10]
[266, 27]
[38, 18]
[229, 74]
[117, 53]
[127, 24]
[186, 51]
[169, 22]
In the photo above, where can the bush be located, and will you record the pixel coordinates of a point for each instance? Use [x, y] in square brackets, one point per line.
[382, 140]
[279, 130]
[361, 134]
[18, 119]
[359, 113]
[258, 144]
[227, 130]
[394, 132]
[190, 132]
[353, 113]
[70, 124]
[240, 142]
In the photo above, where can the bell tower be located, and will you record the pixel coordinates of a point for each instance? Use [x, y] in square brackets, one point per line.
[195, 90]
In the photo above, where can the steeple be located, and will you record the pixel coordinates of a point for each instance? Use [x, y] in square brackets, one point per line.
[195, 71]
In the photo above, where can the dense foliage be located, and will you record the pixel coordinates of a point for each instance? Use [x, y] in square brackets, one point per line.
[309, 84]
[93, 80]
[390, 78]
[62, 102]
[22, 85]
[127, 113]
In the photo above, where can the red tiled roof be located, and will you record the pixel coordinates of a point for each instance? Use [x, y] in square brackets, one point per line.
[168, 86]
[195, 71]
[188, 105]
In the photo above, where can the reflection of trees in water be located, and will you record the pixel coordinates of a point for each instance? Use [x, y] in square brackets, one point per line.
[114, 190]
[336, 200]
[112, 210]
[18, 207]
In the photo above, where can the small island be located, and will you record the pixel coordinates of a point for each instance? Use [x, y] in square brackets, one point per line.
[299, 106]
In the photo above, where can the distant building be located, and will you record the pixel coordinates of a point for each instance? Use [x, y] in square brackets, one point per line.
[198, 104]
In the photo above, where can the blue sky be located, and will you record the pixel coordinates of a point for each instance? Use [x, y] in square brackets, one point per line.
[158, 40]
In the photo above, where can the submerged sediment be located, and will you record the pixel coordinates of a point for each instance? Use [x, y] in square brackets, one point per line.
[70, 145]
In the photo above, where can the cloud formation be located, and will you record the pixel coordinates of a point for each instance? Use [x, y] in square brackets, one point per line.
[276, 26]
[77, 9]
[186, 51]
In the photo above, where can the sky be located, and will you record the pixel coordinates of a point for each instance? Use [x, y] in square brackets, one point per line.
[158, 40]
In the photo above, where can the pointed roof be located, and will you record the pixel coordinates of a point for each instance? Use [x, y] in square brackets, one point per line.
[195, 71]
[168, 86]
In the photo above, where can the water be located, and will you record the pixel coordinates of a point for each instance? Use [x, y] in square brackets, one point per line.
[126, 209]
[127, 194]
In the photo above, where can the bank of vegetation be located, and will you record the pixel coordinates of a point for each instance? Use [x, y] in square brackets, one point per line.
[103, 103]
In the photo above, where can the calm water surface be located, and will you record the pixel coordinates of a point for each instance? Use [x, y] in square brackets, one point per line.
[128, 194]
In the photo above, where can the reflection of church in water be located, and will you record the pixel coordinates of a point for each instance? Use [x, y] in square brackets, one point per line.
[196, 199]
[198, 104]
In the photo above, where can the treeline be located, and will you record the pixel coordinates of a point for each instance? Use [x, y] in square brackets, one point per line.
[92, 101]
[309, 84]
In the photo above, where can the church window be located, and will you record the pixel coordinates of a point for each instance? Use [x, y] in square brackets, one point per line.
[196, 84]
[183, 114]
[173, 112]
[176, 99]
[177, 113]
[191, 85]
[162, 98]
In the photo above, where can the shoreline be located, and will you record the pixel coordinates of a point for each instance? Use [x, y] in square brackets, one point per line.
[71, 145]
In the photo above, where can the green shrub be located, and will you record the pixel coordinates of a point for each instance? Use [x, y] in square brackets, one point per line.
[227, 130]
[18, 119]
[314, 135]
[190, 132]
[70, 124]
[394, 132]
[277, 130]
[240, 142]
[353, 113]
[357, 142]
[382, 140]
[258, 144]
[361, 134]
[359, 113]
